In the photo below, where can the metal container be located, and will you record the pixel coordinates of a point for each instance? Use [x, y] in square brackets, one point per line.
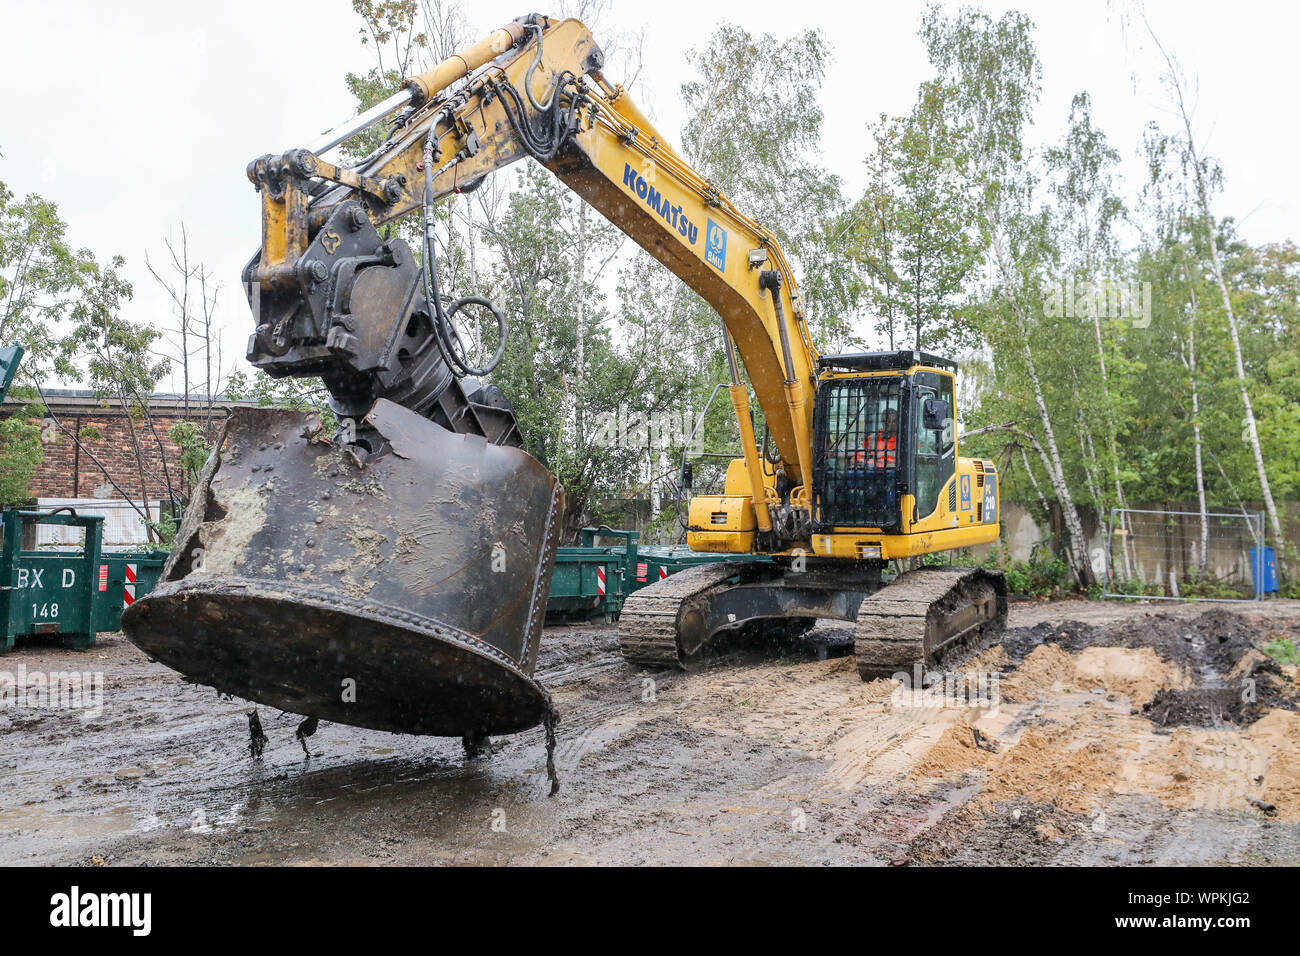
[124, 577]
[397, 583]
[592, 580]
[656, 562]
[71, 595]
[50, 593]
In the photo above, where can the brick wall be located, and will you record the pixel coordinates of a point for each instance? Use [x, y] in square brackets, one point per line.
[69, 472]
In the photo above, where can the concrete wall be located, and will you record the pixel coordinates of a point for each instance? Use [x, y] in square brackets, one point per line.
[1156, 546]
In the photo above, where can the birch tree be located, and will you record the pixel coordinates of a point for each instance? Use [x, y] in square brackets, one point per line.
[916, 237]
[1204, 180]
[993, 69]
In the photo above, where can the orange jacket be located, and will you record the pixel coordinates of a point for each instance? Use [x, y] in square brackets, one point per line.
[878, 451]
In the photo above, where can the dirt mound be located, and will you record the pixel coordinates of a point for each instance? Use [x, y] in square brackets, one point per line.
[1046, 768]
[1255, 685]
[1277, 735]
[1019, 642]
[1200, 707]
[989, 660]
[1038, 673]
[1138, 674]
[1226, 636]
[954, 752]
[1214, 670]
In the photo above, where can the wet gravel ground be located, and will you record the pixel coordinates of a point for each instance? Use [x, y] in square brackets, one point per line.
[762, 756]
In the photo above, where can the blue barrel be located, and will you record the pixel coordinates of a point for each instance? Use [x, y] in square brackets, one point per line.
[1263, 568]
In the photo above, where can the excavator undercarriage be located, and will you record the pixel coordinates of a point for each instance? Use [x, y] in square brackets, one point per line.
[910, 623]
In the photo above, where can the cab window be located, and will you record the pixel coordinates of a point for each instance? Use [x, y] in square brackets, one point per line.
[936, 459]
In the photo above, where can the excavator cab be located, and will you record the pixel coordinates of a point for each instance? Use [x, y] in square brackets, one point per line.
[855, 472]
[883, 433]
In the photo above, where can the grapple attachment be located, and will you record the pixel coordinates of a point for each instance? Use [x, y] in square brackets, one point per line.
[398, 583]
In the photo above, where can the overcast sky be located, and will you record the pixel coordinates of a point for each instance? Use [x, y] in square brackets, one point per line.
[134, 116]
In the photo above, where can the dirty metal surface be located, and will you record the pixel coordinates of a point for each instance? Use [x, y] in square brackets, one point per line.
[402, 591]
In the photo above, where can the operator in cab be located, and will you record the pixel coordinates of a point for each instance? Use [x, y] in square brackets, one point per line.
[880, 448]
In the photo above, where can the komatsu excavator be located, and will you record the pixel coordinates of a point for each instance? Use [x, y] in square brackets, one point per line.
[393, 573]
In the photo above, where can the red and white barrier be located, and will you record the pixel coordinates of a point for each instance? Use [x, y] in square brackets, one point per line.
[128, 592]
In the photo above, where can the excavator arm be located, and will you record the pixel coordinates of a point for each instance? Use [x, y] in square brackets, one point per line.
[533, 89]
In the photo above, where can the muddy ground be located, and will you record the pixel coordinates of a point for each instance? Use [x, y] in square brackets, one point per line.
[1121, 733]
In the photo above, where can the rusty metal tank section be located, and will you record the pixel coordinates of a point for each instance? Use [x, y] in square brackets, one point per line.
[391, 573]
[397, 584]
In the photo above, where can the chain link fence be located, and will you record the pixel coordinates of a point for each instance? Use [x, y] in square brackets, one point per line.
[1186, 555]
[124, 526]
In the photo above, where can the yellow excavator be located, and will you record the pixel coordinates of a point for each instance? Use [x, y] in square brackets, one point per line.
[393, 572]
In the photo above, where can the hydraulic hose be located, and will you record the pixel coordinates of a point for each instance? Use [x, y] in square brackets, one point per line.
[444, 333]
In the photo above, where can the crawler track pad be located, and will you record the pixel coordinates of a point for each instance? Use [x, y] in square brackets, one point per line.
[906, 626]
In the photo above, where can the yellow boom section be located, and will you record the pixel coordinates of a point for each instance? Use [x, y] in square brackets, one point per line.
[617, 162]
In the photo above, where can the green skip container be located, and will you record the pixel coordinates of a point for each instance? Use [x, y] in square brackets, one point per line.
[68, 595]
[593, 581]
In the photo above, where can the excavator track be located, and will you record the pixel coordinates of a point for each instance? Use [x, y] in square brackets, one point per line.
[648, 627]
[925, 613]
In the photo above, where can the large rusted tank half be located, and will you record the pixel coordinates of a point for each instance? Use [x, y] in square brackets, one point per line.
[398, 583]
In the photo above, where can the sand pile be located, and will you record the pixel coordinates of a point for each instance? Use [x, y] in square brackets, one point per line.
[1276, 736]
[1039, 673]
[953, 753]
[1046, 767]
[1135, 674]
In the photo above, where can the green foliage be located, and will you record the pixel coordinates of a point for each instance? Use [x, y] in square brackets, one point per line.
[390, 31]
[41, 277]
[964, 558]
[1283, 650]
[20, 455]
[1133, 587]
[117, 354]
[1043, 575]
[163, 531]
[302, 394]
[1206, 586]
[194, 446]
[754, 130]
[915, 231]
[992, 67]
[575, 415]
